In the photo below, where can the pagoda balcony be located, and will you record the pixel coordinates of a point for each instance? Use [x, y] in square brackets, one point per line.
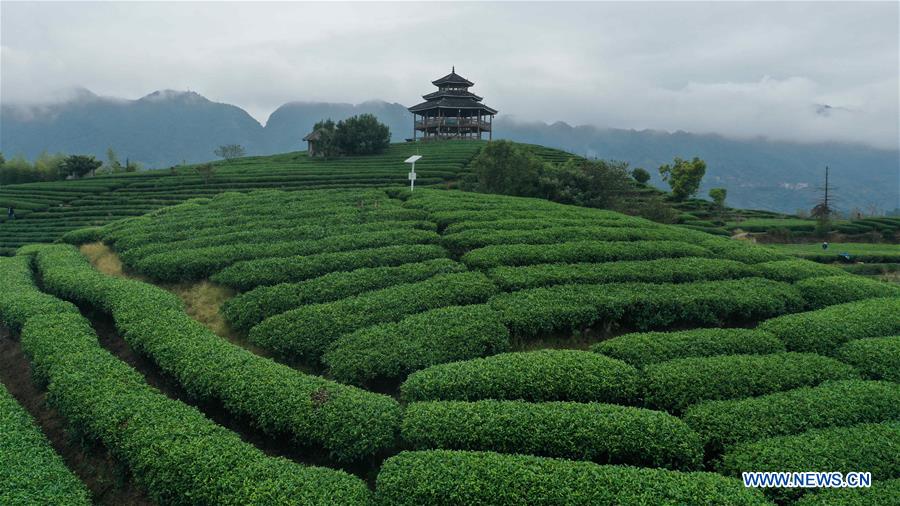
[449, 122]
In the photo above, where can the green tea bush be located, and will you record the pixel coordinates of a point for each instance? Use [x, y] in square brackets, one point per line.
[305, 332]
[795, 269]
[193, 461]
[881, 493]
[31, 473]
[664, 270]
[603, 433]
[644, 305]
[249, 308]
[548, 222]
[643, 348]
[478, 238]
[865, 447]
[543, 375]
[584, 251]
[464, 478]
[348, 422]
[82, 235]
[679, 383]
[824, 330]
[271, 271]
[831, 290]
[190, 264]
[876, 357]
[722, 424]
[20, 299]
[390, 351]
[736, 250]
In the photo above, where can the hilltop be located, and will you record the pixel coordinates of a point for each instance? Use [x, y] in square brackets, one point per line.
[166, 128]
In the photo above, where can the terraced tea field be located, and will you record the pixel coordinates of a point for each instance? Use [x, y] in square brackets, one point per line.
[443, 347]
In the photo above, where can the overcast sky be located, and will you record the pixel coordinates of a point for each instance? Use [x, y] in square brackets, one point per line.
[739, 69]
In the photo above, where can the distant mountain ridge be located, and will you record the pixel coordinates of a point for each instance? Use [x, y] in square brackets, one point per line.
[168, 127]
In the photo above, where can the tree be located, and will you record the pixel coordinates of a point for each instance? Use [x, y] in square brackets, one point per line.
[229, 151]
[684, 177]
[503, 167]
[17, 170]
[362, 135]
[718, 196]
[47, 166]
[206, 170]
[589, 183]
[112, 161]
[327, 144]
[79, 165]
[640, 175]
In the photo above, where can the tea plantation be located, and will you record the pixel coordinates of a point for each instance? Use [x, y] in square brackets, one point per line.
[437, 347]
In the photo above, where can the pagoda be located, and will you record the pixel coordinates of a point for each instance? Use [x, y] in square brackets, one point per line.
[452, 112]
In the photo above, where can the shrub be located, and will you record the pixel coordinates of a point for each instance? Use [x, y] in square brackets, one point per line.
[189, 264]
[795, 270]
[865, 447]
[604, 433]
[271, 271]
[644, 305]
[583, 251]
[248, 309]
[82, 235]
[824, 330]
[642, 348]
[876, 357]
[544, 375]
[390, 351]
[664, 270]
[20, 299]
[831, 290]
[348, 422]
[177, 454]
[679, 383]
[722, 424]
[479, 238]
[305, 332]
[30, 471]
[881, 493]
[465, 478]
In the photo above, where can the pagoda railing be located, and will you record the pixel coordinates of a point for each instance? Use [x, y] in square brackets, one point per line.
[453, 123]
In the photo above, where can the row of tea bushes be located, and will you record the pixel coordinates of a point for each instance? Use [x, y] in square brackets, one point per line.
[461, 478]
[194, 461]
[645, 305]
[304, 333]
[546, 222]
[543, 375]
[881, 493]
[676, 384]
[603, 433]
[583, 251]
[722, 424]
[19, 304]
[478, 238]
[249, 308]
[348, 422]
[31, 473]
[876, 357]
[865, 447]
[193, 264]
[272, 271]
[644, 348]
[832, 290]
[387, 353]
[824, 330]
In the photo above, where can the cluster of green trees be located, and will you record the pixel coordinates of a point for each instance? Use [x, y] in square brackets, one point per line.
[506, 168]
[357, 135]
[53, 167]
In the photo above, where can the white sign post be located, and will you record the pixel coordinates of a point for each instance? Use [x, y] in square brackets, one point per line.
[412, 173]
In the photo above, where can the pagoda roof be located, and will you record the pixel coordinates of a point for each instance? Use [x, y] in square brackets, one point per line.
[452, 78]
[452, 94]
[452, 103]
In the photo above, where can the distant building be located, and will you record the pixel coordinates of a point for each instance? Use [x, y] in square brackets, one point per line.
[312, 140]
[452, 112]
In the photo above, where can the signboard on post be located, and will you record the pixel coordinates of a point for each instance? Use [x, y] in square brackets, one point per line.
[412, 172]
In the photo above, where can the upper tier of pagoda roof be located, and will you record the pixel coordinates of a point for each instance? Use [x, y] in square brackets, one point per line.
[452, 79]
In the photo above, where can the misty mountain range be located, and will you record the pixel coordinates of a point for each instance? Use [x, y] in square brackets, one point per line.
[168, 127]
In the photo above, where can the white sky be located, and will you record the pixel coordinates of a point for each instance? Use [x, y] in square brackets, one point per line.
[739, 69]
